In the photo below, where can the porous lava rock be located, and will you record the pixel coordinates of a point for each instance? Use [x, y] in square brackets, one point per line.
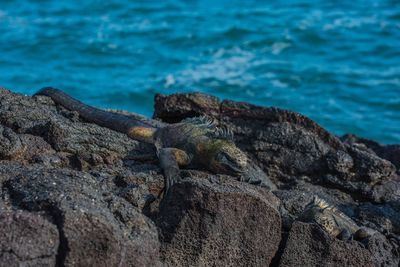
[73, 193]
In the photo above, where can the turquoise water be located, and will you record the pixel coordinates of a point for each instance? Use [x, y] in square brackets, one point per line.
[337, 62]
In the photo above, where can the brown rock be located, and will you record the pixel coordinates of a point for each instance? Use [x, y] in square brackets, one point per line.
[99, 215]
[27, 239]
[388, 152]
[287, 145]
[174, 108]
[309, 245]
[94, 230]
[218, 223]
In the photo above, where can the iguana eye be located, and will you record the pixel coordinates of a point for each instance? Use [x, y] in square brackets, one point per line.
[228, 162]
[221, 157]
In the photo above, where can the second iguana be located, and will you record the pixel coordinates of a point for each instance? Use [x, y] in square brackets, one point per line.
[194, 143]
[332, 220]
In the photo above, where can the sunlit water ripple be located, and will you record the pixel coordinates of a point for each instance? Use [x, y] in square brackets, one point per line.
[337, 62]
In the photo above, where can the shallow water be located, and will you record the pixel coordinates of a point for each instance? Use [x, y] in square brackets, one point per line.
[337, 62]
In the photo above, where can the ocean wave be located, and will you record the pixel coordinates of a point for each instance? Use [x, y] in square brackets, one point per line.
[351, 23]
[236, 32]
[225, 65]
[334, 61]
[278, 47]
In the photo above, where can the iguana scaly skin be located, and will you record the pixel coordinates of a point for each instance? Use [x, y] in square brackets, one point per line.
[194, 143]
[331, 220]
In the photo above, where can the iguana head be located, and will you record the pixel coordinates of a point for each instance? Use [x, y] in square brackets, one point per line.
[226, 158]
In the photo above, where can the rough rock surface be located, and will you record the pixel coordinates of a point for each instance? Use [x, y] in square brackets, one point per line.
[76, 194]
[27, 239]
[207, 222]
[290, 146]
[309, 245]
[389, 152]
[358, 176]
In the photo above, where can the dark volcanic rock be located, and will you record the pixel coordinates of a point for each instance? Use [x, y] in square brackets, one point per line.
[61, 129]
[27, 239]
[308, 245]
[10, 143]
[92, 231]
[190, 105]
[383, 217]
[219, 222]
[388, 152]
[289, 146]
[384, 253]
[73, 193]
[305, 160]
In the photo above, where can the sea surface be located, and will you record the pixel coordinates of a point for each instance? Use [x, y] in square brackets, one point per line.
[336, 61]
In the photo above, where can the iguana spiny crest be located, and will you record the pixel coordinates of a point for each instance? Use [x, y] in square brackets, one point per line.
[211, 127]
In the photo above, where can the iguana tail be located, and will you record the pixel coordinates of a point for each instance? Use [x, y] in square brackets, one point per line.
[135, 129]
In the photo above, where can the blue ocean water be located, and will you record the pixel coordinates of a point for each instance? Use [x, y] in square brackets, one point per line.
[335, 61]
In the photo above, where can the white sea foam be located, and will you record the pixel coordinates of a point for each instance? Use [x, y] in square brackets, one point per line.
[169, 80]
[230, 66]
[279, 84]
[375, 82]
[391, 71]
[350, 22]
[310, 20]
[278, 47]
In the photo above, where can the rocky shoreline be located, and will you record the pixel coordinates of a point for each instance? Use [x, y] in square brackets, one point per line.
[77, 194]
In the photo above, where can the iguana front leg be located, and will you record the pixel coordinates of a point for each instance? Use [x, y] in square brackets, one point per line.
[170, 160]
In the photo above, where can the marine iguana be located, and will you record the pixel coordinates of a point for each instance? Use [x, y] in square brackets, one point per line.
[193, 143]
[333, 221]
